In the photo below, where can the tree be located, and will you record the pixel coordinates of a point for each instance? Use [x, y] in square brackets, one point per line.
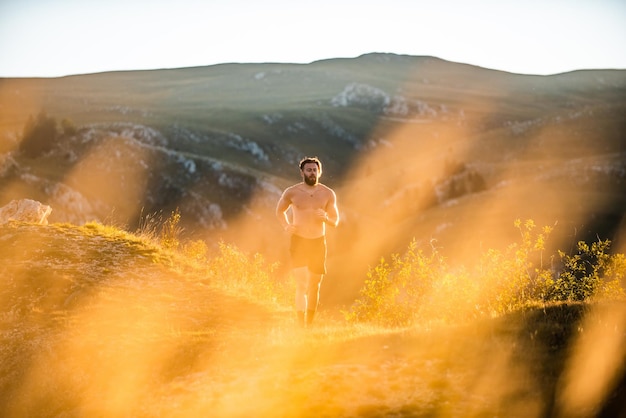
[40, 135]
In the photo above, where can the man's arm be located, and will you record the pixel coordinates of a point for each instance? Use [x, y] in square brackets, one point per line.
[281, 210]
[332, 213]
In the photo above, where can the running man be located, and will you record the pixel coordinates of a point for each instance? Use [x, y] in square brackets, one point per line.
[313, 205]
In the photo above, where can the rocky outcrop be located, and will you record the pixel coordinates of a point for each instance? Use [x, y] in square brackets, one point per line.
[25, 210]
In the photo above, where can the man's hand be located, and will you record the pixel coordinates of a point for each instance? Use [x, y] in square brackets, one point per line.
[321, 215]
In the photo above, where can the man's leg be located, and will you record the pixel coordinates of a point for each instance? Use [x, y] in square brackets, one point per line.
[313, 295]
[301, 275]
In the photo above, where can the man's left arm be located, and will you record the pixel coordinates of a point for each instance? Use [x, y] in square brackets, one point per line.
[281, 211]
[332, 213]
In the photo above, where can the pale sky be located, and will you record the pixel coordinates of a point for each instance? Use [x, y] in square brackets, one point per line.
[52, 38]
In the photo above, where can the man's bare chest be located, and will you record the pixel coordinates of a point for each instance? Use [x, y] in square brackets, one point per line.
[303, 200]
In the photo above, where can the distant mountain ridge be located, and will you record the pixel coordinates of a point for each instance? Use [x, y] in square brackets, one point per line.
[220, 142]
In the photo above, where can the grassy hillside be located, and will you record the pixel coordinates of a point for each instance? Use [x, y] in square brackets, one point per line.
[99, 322]
[416, 147]
[290, 106]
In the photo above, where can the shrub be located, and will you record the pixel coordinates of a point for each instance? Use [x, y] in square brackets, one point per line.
[196, 251]
[40, 135]
[393, 291]
[229, 268]
[235, 271]
[590, 272]
[171, 231]
[517, 276]
[416, 286]
[165, 232]
[452, 298]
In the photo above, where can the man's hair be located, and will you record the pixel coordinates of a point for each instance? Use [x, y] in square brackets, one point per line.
[314, 160]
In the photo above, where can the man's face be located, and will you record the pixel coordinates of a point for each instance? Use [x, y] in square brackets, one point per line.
[310, 174]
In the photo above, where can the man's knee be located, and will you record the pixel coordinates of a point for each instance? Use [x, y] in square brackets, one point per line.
[301, 276]
[315, 281]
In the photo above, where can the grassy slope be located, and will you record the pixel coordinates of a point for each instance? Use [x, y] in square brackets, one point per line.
[98, 322]
[574, 126]
[235, 97]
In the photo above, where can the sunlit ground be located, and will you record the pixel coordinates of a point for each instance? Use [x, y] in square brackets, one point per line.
[98, 323]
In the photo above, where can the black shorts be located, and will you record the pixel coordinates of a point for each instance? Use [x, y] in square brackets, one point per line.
[309, 253]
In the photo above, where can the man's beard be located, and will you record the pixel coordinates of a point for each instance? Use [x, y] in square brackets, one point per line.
[311, 181]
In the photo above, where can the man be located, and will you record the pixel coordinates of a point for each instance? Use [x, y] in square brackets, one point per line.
[313, 206]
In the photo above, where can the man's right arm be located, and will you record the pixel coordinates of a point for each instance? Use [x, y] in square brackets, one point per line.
[281, 210]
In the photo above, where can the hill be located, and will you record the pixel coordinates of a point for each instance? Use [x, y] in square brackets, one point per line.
[416, 147]
[99, 322]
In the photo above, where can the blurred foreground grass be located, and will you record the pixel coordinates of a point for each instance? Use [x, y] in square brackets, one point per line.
[99, 322]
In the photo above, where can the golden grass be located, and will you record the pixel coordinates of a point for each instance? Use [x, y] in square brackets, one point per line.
[99, 322]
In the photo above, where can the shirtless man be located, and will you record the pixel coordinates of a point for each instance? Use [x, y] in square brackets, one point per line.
[313, 205]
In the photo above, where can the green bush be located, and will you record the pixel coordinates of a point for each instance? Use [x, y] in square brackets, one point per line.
[590, 272]
[393, 291]
[416, 286]
[513, 278]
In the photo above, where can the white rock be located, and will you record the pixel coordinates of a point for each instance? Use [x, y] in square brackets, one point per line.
[25, 210]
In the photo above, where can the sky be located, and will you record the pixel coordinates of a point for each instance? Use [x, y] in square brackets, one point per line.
[53, 38]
